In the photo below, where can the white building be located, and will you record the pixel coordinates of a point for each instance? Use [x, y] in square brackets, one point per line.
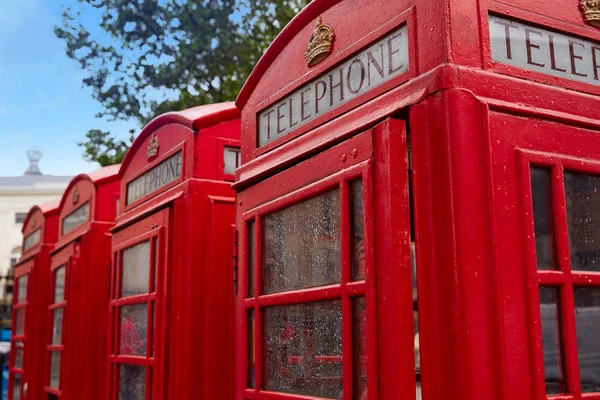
[17, 195]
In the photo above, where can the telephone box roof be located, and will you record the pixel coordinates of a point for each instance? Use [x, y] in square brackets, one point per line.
[46, 208]
[194, 118]
[305, 17]
[97, 177]
[101, 174]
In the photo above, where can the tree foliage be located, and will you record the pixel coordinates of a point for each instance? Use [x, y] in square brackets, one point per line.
[146, 57]
[103, 148]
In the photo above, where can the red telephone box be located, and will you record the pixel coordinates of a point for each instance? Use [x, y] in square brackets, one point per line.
[171, 306]
[467, 130]
[40, 231]
[77, 304]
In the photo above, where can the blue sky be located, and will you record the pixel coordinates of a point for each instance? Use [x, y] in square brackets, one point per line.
[42, 102]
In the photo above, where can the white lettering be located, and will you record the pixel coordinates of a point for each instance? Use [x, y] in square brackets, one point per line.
[360, 73]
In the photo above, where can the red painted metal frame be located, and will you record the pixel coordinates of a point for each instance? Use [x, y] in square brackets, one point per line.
[217, 123]
[478, 299]
[25, 271]
[305, 181]
[559, 148]
[193, 217]
[65, 258]
[155, 298]
[85, 250]
[35, 263]
[344, 291]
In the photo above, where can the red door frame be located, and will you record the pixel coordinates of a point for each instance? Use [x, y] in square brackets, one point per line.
[196, 330]
[389, 347]
[532, 141]
[35, 259]
[66, 258]
[154, 229]
[24, 270]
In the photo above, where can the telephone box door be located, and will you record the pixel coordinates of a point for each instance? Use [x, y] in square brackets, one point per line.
[326, 293]
[138, 290]
[61, 302]
[20, 317]
[551, 241]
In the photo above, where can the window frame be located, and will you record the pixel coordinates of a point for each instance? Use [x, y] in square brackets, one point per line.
[564, 278]
[345, 290]
[154, 299]
[385, 146]
[64, 259]
[20, 371]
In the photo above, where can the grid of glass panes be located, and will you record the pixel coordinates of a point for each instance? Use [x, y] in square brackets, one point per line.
[18, 339]
[566, 212]
[307, 296]
[58, 304]
[133, 307]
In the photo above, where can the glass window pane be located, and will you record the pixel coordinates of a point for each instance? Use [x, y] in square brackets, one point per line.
[59, 284]
[57, 321]
[20, 322]
[134, 329]
[542, 218]
[114, 271]
[303, 349]
[132, 382]
[358, 230]
[153, 327]
[413, 261]
[583, 219]
[32, 239]
[136, 264]
[78, 217]
[155, 263]
[18, 354]
[16, 390]
[359, 344]
[587, 318]
[55, 369]
[251, 350]
[551, 339]
[251, 257]
[416, 341]
[22, 289]
[302, 245]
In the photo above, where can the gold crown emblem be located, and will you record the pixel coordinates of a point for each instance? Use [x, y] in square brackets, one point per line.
[152, 148]
[320, 43]
[33, 223]
[75, 195]
[591, 12]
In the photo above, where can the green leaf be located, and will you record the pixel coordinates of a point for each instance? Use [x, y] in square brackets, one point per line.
[147, 57]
